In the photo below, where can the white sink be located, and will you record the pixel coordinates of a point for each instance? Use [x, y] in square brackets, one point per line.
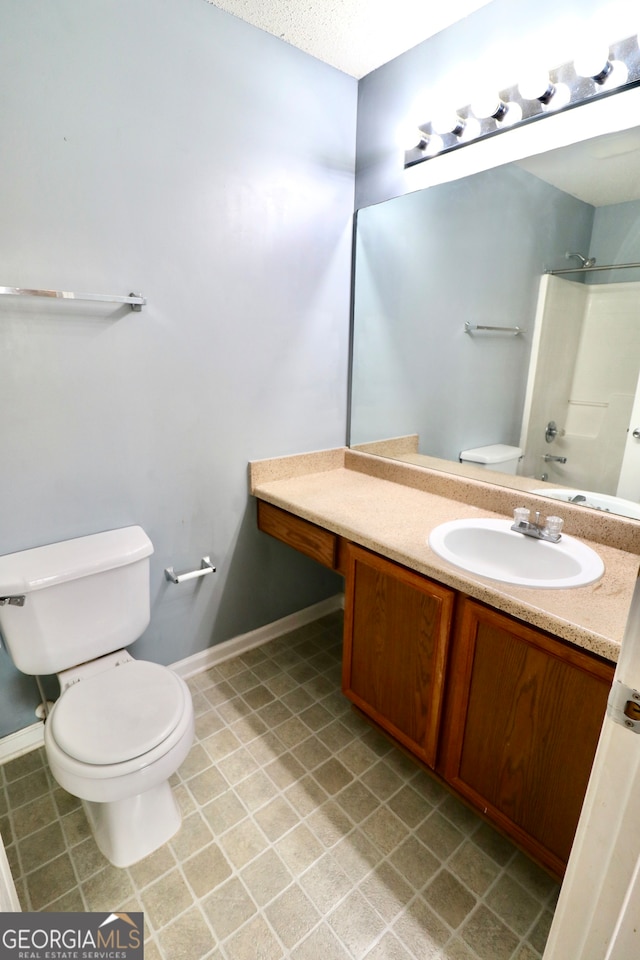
[492, 549]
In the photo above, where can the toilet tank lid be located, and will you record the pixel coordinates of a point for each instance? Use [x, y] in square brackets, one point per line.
[54, 563]
[493, 453]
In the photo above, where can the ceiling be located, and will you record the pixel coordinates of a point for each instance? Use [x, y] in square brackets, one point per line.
[356, 36]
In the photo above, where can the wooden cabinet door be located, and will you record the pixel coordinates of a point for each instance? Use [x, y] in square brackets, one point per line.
[522, 726]
[397, 627]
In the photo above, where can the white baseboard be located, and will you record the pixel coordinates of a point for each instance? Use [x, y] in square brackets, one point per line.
[202, 661]
[22, 741]
[32, 737]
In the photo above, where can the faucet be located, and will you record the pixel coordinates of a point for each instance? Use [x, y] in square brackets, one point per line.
[548, 529]
[577, 499]
[549, 458]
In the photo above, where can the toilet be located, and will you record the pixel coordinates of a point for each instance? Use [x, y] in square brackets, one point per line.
[495, 456]
[121, 727]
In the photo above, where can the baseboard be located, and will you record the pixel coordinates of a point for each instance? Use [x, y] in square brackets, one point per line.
[22, 741]
[202, 661]
[31, 737]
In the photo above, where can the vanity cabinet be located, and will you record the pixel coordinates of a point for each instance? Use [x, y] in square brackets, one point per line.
[506, 714]
[524, 712]
[396, 637]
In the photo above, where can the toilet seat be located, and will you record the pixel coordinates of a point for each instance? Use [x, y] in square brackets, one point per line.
[118, 714]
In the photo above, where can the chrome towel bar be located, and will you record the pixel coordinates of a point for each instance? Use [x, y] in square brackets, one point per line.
[135, 300]
[471, 327]
[205, 568]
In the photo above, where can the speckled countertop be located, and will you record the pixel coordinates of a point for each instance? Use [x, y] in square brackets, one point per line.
[391, 507]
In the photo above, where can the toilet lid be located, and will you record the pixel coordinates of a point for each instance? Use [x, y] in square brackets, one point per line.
[118, 714]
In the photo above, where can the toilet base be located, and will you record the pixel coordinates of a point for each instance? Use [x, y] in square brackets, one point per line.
[128, 830]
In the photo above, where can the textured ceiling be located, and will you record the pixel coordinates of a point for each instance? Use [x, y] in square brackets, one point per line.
[356, 36]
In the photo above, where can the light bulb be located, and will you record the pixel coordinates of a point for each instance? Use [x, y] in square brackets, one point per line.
[434, 145]
[429, 143]
[536, 85]
[593, 61]
[504, 113]
[489, 105]
[513, 115]
[447, 121]
[618, 75]
[561, 97]
[409, 136]
[422, 140]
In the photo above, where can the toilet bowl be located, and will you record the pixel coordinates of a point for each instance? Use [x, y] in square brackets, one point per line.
[117, 757]
[121, 727]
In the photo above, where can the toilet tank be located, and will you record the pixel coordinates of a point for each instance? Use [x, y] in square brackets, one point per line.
[495, 456]
[82, 598]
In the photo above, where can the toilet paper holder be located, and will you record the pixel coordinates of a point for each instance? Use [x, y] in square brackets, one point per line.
[205, 567]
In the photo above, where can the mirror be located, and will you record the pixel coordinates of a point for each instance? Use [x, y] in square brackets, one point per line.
[436, 266]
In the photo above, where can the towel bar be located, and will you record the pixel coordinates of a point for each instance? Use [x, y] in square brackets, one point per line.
[135, 300]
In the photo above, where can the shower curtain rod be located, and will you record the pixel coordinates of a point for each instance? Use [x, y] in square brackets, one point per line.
[604, 266]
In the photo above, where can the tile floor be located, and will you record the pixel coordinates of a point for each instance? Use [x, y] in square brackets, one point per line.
[306, 835]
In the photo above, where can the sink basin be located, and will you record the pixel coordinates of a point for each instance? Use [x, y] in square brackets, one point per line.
[492, 549]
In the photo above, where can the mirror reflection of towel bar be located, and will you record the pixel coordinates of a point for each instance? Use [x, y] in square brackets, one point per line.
[205, 568]
[472, 327]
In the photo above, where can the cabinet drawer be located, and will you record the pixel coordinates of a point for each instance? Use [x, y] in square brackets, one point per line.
[314, 541]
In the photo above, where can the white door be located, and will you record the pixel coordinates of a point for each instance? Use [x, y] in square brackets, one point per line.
[598, 912]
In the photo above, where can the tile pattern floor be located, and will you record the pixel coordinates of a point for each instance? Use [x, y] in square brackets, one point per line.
[305, 835]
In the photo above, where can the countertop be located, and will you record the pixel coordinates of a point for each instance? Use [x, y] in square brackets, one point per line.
[390, 508]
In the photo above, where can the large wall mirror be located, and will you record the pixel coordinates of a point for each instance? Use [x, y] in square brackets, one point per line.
[465, 337]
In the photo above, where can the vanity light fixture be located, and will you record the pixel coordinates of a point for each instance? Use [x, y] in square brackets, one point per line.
[596, 71]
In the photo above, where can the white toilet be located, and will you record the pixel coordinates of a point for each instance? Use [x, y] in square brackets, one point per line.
[121, 727]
